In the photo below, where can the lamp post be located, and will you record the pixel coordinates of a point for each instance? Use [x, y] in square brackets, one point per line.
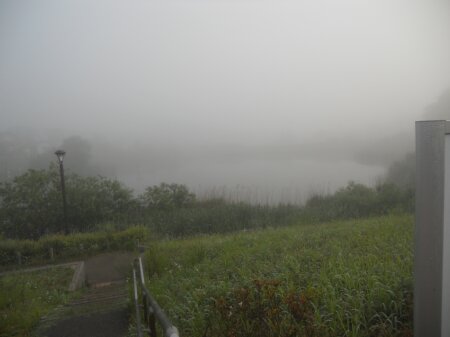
[60, 154]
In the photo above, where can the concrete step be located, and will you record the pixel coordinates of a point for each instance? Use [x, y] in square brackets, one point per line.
[95, 296]
[75, 311]
[110, 298]
[95, 300]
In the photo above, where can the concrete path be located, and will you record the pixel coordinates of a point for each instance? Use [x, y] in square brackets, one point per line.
[48, 266]
[102, 310]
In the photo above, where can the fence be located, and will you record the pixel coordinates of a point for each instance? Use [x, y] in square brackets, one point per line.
[152, 312]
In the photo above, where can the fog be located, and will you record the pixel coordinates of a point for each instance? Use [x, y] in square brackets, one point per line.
[254, 99]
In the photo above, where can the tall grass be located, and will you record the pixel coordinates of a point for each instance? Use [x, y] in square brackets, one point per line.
[76, 245]
[220, 216]
[351, 278]
[25, 298]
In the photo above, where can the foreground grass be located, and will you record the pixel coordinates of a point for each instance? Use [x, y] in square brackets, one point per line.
[351, 278]
[25, 297]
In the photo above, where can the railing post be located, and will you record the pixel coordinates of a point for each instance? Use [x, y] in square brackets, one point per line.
[148, 311]
[138, 315]
[145, 305]
[153, 311]
[152, 323]
[141, 271]
[51, 253]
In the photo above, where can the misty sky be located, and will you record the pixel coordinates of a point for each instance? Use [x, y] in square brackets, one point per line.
[288, 94]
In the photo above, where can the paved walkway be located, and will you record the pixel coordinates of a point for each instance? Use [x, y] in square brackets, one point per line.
[49, 266]
[102, 310]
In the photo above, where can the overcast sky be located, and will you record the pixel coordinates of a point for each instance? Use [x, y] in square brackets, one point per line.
[261, 83]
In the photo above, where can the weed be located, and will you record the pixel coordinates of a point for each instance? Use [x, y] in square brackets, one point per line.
[351, 278]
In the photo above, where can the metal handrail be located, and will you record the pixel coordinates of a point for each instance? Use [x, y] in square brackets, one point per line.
[152, 309]
[136, 304]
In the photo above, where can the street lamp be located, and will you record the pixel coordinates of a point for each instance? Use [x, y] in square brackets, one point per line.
[60, 154]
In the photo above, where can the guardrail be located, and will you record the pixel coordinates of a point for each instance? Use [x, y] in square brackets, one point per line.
[151, 310]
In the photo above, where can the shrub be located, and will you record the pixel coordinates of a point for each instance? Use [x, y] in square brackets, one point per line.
[357, 201]
[264, 309]
[30, 205]
[69, 246]
[167, 196]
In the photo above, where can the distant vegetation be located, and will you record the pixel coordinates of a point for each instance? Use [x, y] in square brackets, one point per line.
[358, 201]
[351, 278]
[402, 173]
[31, 207]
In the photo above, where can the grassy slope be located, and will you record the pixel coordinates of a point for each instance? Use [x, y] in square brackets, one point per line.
[351, 278]
[25, 297]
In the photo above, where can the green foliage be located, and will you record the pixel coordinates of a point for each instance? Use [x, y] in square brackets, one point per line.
[69, 246]
[218, 218]
[167, 196]
[357, 201]
[391, 198]
[350, 278]
[403, 172]
[26, 297]
[31, 205]
[93, 200]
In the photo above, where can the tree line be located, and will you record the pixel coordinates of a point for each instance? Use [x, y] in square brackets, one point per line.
[31, 203]
[31, 207]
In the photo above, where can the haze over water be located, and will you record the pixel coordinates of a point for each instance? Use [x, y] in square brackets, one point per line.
[277, 99]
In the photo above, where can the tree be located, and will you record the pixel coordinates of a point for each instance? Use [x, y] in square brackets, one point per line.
[355, 200]
[16, 149]
[93, 200]
[30, 205]
[403, 172]
[167, 196]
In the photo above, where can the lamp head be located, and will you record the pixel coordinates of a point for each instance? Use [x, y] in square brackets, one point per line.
[60, 154]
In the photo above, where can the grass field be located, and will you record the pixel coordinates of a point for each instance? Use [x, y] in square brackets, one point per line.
[350, 278]
[25, 297]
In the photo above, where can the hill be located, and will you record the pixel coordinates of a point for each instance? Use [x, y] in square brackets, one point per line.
[349, 278]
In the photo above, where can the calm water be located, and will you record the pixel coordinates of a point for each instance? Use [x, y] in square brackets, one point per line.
[260, 181]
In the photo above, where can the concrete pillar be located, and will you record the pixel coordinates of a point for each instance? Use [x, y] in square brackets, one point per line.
[432, 230]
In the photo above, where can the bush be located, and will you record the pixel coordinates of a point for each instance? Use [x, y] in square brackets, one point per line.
[263, 309]
[210, 218]
[167, 196]
[357, 201]
[31, 206]
[69, 246]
